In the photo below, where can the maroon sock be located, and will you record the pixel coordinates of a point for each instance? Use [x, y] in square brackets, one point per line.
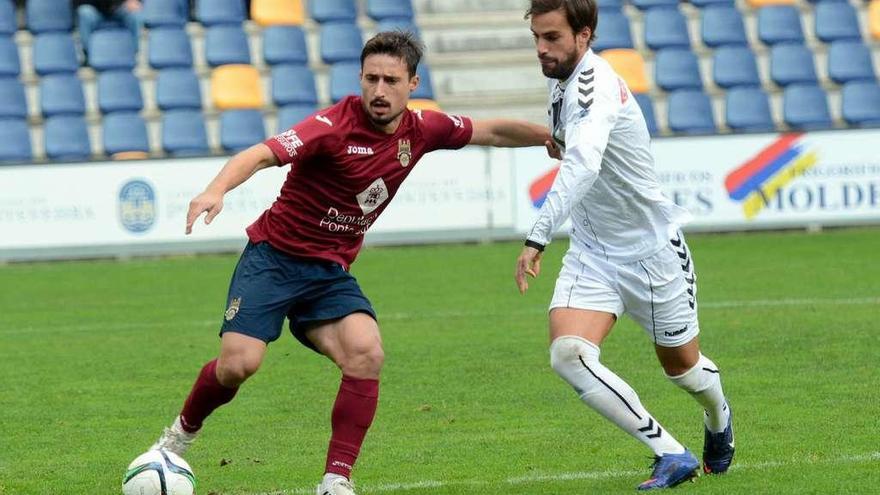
[352, 415]
[207, 394]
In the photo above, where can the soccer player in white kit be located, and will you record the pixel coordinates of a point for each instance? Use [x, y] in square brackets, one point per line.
[626, 254]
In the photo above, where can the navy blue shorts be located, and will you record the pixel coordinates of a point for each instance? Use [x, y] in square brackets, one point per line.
[268, 285]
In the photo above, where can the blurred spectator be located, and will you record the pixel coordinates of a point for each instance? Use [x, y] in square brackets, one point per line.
[91, 14]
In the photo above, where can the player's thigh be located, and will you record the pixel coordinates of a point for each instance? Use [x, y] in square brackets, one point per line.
[353, 342]
[240, 357]
[588, 324]
[677, 360]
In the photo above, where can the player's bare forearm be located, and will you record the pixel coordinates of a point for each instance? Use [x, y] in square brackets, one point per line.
[509, 133]
[241, 167]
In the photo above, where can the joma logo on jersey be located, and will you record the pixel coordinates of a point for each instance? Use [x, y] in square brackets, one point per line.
[290, 141]
[360, 150]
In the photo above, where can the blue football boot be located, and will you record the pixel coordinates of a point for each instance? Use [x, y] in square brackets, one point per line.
[718, 448]
[671, 470]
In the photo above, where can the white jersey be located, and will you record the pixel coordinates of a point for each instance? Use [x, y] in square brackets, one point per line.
[606, 181]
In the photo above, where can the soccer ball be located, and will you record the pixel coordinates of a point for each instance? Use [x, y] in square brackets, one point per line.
[158, 472]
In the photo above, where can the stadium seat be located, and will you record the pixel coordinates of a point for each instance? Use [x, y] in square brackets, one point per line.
[735, 66]
[216, 12]
[9, 62]
[119, 91]
[16, 143]
[341, 42]
[677, 68]
[12, 100]
[861, 103]
[277, 12]
[235, 87]
[226, 45]
[690, 112]
[184, 134]
[111, 49]
[850, 60]
[647, 107]
[779, 23]
[722, 25]
[240, 129]
[285, 45]
[805, 106]
[49, 15]
[836, 20]
[874, 19]
[293, 84]
[8, 24]
[792, 63]
[177, 89]
[169, 47]
[400, 24]
[613, 32]
[67, 138]
[748, 109]
[53, 53]
[333, 10]
[610, 6]
[290, 115]
[757, 4]
[124, 131]
[61, 94]
[709, 3]
[167, 13]
[423, 104]
[665, 28]
[344, 80]
[631, 67]
[385, 9]
[425, 90]
[651, 4]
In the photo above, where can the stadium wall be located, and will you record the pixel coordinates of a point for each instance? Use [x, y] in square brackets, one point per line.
[734, 182]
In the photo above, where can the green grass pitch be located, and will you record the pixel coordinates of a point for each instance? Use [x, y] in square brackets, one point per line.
[97, 357]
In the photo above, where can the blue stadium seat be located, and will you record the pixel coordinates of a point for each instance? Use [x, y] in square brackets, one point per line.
[385, 9]
[779, 23]
[178, 88]
[119, 91]
[722, 25]
[184, 134]
[215, 12]
[792, 63]
[850, 60]
[665, 28]
[341, 42]
[333, 10]
[67, 138]
[401, 24]
[651, 4]
[344, 80]
[426, 85]
[677, 68]
[169, 47]
[124, 131]
[290, 115]
[61, 94]
[226, 44]
[748, 109]
[613, 32]
[606, 6]
[53, 53]
[805, 106]
[293, 84]
[8, 24]
[9, 62]
[285, 45]
[168, 13]
[647, 107]
[240, 129]
[111, 49]
[12, 100]
[709, 3]
[16, 143]
[690, 112]
[861, 103]
[49, 15]
[735, 66]
[836, 20]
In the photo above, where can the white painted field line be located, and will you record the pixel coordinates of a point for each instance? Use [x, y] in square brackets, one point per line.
[583, 475]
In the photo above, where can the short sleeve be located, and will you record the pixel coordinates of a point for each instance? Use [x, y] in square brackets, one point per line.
[443, 131]
[303, 140]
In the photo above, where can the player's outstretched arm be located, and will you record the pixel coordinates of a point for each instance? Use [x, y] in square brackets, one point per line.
[238, 169]
[509, 133]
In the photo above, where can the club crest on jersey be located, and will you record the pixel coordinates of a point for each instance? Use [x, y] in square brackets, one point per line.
[403, 152]
[373, 196]
[232, 310]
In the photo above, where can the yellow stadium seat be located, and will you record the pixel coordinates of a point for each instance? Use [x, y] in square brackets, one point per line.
[274, 12]
[757, 4]
[131, 155]
[423, 104]
[236, 87]
[631, 67]
[874, 19]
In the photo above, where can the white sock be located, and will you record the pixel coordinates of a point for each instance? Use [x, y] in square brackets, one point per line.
[576, 360]
[703, 382]
[328, 477]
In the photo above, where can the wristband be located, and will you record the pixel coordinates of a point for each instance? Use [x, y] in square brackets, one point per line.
[532, 244]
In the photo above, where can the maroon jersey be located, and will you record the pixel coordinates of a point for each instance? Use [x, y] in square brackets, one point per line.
[344, 174]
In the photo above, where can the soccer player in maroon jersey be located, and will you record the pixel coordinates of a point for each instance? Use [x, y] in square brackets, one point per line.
[348, 161]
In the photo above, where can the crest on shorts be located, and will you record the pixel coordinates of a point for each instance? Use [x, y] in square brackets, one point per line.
[232, 310]
[403, 152]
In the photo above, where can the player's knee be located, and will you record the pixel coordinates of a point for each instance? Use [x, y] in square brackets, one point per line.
[232, 372]
[364, 362]
[701, 376]
[570, 356]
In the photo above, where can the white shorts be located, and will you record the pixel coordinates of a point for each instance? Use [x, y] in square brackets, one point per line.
[658, 292]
